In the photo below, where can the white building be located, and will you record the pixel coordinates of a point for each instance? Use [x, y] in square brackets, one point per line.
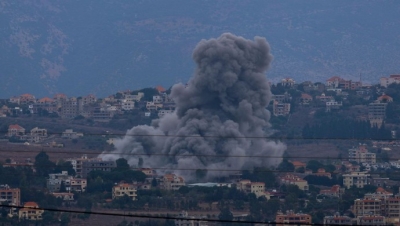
[385, 82]
[128, 105]
[358, 179]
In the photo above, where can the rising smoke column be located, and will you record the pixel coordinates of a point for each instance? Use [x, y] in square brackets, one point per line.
[217, 112]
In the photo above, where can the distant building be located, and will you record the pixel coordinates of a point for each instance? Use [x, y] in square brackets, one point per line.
[30, 211]
[12, 196]
[358, 179]
[288, 82]
[291, 218]
[172, 182]
[322, 173]
[337, 220]
[15, 130]
[70, 134]
[37, 135]
[69, 108]
[128, 105]
[123, 189]
[362, 155]
[371, 220]
[66, 196]
[257, 188]
[377, 113]
[385, 82]
[71, 183]
[280, 109]
[334, 191]
[187, 220]
[305, 99]
[97, 164]
[294, 180]
[27, 99]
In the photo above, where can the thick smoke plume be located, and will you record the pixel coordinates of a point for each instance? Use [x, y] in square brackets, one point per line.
[221, 112]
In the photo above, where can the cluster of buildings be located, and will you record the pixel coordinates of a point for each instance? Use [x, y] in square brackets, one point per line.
[281, 104]
[90, 106]
[35, 135]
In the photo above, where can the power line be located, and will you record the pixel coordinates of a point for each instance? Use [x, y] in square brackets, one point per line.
[185, 155]
[222, 137]
[155, 217]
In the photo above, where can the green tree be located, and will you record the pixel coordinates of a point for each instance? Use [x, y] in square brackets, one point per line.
[122, 164]
[286, 166]
[225, 215]
[43, 165]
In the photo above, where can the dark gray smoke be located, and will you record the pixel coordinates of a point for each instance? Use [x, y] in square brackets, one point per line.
[217, 113]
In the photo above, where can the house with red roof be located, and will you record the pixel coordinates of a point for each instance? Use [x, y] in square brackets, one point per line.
[385, 99]
[172, 182]
[305, 98]
[30, 211]
[335, 191]
[15, 130]
[27, 98]
[160, 89]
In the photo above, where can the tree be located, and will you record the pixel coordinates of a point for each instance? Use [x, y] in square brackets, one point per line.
[43, 165]
[286, 166]
[122, 164]
[225, 215]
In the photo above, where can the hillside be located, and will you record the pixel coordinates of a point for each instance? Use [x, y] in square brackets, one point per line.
[99, 47]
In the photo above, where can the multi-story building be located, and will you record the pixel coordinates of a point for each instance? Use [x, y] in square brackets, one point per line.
[371, 220]
[37, 135]
[76, 184]
[97, 164]
[358, 179]
[10, 195]
[69, 108]
[27, 99]
[89, 99]
[362, 155]
[385, 82]
[30, 211]
[294, 180]
[337, 220]
[291, 218]
[280, 108]
[71, 184]
[283, 98]
[56, 179]
[257, 188]
[123, 189]
[367, 206]
[84, 165]
[172, 182]
[127, 105]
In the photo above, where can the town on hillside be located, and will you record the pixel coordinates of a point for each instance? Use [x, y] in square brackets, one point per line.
[341, 166]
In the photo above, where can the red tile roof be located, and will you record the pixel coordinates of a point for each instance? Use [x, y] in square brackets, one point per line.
[16, 126]
[160, 89]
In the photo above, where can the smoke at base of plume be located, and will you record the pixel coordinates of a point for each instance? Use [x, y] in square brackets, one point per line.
[226, 98]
